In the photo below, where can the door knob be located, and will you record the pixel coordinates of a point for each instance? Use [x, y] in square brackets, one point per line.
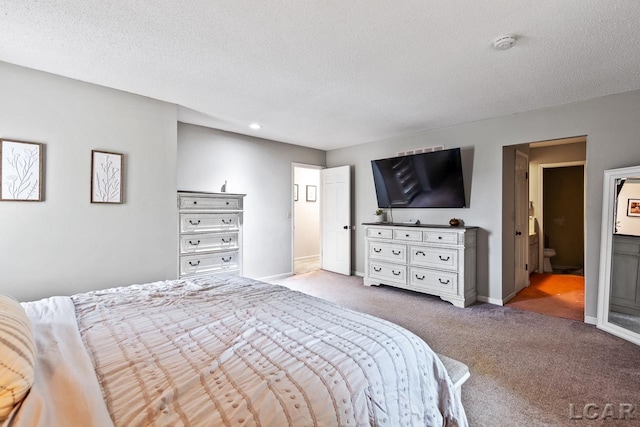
[518, 233]
[346, 227]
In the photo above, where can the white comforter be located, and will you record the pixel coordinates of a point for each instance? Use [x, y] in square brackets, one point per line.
[233, 351]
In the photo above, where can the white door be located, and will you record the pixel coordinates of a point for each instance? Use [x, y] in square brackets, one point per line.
[336, 220]
[521, 221]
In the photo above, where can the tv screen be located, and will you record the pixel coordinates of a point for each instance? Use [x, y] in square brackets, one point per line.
[426, 180]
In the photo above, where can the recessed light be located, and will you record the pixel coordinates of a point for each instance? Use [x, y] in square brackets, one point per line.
[255, 126]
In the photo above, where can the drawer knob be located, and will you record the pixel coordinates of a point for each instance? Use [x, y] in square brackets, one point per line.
[377, 250]
[420, 253]
[195, 203]
[194, 264]
[396, 252]
[192, 222]
[227, 203]
[194, 244]
[439, 237]
[443, 282]
[419, 277]
[377, 269]
[379, 233]
[443, 259]
[406, 235]
[395, 273]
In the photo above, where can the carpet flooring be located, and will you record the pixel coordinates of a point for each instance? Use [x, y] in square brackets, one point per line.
[560, 295]
[527, 369]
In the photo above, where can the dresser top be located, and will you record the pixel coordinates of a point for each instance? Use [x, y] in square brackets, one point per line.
[402, 224]
[206, 193]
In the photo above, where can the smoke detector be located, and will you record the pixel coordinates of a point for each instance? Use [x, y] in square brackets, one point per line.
[504, 42]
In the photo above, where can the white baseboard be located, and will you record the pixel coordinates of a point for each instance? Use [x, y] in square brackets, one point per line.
[302, 258]
[276, 277]
[494, 301]
[508, 298]
[358, 273]
[591, 320]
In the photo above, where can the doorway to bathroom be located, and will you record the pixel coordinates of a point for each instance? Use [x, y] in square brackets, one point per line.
[556, 229]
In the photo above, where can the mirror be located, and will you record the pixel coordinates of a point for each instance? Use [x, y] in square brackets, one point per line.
[619, 287]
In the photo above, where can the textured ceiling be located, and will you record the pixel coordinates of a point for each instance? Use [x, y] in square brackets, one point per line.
[333, 73]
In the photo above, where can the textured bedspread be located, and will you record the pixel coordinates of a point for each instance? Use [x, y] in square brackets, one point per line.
[234, 351]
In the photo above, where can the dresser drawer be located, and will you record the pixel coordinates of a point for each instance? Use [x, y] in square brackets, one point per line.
[441, 237]
[202, 222]
[380, 233]
[409, 235]
[208, 263]
[205, 242]
[388, 272]
[202, 202]
[441, 258]
[388, 251]
[431, 280]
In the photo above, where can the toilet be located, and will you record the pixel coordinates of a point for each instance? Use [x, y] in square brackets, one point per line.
[546, 266]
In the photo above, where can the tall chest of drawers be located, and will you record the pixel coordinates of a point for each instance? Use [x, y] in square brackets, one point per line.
[430, 259]
[210, 239]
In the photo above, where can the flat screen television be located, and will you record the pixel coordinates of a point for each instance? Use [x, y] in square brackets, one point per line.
[426, 180]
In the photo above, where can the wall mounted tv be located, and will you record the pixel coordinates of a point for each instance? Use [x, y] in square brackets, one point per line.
[426, 180]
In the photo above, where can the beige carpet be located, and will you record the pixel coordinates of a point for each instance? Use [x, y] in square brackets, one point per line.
[526, 368]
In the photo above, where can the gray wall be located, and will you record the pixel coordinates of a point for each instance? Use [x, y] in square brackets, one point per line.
[612, 127]
[66, 244]
[259, 168]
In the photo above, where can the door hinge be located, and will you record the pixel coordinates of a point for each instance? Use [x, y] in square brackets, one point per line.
[526, 175]
[526, 267]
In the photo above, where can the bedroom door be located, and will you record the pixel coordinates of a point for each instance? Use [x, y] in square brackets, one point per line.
[336, 219]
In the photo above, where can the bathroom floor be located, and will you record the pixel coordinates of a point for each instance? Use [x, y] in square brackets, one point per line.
[559, 295]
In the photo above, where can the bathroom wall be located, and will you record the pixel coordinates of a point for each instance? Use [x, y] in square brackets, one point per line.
[563, 222]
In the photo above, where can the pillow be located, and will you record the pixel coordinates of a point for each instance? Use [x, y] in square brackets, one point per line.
[17, 354]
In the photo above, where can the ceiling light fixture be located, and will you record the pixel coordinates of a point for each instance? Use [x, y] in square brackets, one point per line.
[255, 126]
[504, 42]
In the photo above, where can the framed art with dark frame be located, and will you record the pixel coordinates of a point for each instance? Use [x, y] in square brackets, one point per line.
[21, 171]
[106, 177]
[633, 207]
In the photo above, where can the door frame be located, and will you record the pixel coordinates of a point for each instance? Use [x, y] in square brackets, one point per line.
[524, 220]
[292, 211]
[540, 210]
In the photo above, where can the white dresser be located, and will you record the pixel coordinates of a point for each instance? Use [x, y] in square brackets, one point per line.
[210, 233]
[436, 260]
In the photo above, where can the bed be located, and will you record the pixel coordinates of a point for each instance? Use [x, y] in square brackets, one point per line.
[225, 351]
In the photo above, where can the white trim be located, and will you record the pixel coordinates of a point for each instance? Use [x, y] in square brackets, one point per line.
[590, 320]
[302, 258]
[606, 252]
[510, 296]
[358, 273]
[276, 277]
[494, 301]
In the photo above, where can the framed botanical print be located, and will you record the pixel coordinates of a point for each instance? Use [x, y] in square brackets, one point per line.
[106, 177]
[312, 193]
[21, 166]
